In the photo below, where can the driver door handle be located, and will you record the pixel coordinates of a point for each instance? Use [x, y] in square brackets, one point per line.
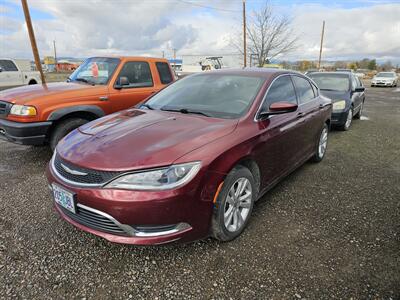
[300, 115]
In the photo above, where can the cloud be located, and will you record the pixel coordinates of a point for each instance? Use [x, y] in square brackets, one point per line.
[123, 27]
[372, 31]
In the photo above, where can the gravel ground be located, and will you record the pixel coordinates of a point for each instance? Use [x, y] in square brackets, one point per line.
[329, 230]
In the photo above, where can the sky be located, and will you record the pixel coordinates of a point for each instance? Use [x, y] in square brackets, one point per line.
[354, 29]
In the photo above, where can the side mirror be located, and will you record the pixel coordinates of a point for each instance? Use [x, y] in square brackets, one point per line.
[359, 89]
[278, 108]
[122, 81]
[1, 69]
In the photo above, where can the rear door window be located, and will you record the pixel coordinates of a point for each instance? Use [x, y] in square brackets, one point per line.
[164, 72]
[138, 74]
[8, 65]
[304, 90]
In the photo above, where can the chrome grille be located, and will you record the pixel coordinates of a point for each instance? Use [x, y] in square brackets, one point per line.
[4, 109]
[94, 220]
[90, 177]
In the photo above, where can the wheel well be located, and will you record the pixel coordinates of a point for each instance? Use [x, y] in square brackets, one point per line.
[78, 114]
[32, 81]
[254, 169]
[328, 122]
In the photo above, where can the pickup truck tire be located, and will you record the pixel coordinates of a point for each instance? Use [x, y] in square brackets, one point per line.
[63, 128]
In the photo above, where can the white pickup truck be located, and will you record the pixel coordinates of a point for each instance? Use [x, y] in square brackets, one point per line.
[15, 72]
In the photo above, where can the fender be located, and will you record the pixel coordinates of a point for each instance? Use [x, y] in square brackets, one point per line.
[59, 113]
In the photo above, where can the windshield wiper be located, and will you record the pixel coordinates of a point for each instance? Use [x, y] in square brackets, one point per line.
[147, 106]
[84, 80]
[186, 111]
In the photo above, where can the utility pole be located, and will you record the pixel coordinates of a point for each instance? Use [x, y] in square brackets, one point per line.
[33, 40]
[244, 35]
[163, 54]
[174, 57]
[322, 41]
[55, 55]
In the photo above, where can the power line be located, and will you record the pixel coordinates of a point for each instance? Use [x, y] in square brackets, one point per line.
[209, 7]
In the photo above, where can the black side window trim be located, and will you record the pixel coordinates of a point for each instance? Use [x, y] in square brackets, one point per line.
[136, 87]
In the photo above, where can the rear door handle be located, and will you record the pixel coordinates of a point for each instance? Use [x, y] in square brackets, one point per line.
[103, 98]
[300, 115]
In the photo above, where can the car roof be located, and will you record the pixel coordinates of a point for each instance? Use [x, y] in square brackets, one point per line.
[253, 72]
[348, 74]
[134, 58]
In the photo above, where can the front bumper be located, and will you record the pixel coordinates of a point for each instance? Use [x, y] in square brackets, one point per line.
[339, 118]
[147, 217]
[24, 133]
[381, 83]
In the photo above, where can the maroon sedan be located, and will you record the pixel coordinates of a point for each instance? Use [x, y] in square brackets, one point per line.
[190, 161]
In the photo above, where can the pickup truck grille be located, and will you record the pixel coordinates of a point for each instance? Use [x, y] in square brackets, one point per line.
[4, 109]
[81, 176]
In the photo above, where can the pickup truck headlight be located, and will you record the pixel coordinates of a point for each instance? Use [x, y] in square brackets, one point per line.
[159, 179]
[23, 110]
[339, 105]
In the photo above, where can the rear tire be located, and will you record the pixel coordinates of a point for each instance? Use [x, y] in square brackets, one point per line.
[322, 144]
[234, 204]
[63, 128]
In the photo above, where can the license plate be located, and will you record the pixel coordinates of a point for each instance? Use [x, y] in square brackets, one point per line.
[64, 198]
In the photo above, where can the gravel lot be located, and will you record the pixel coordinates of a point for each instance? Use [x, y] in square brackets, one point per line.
[330, 230]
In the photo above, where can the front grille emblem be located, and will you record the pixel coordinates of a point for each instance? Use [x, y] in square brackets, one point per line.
[73, 172]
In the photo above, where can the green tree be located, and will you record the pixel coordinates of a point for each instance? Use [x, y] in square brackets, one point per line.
[372, 64]
[353, 66]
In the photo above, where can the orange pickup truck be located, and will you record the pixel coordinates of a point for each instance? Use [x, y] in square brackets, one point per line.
[43, 114]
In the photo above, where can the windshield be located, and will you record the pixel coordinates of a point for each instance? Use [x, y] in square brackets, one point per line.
[331, 82]
[386, 75]
[214, 95]
[95, 70]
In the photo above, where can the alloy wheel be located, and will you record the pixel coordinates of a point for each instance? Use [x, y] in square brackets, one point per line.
[323, 141]
[238, 205]
[349, 118]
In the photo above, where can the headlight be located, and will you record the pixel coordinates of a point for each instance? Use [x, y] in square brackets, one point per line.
[22, 110]
[160, 179]
[339, 105]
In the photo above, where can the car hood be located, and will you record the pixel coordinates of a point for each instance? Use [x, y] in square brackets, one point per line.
[336, 95]
[140, 139]
[29, 94]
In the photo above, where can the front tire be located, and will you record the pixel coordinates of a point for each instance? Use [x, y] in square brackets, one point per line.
[63, 128]
[234, 204]
[349, 120]
[359, 114]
